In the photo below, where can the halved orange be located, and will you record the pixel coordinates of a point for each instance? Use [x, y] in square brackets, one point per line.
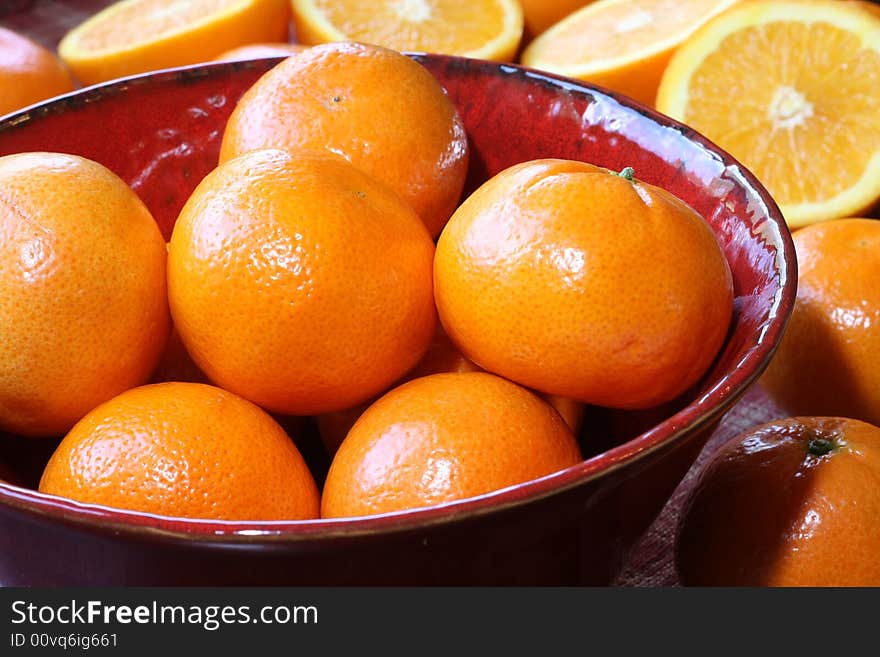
[792, 90]
[135, 36]
[623, 45]
[484, 29]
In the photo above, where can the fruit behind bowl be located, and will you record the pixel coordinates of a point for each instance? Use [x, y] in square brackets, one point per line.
[793, 502]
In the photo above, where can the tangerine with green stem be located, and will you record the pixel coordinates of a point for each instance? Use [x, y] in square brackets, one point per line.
[574, 280]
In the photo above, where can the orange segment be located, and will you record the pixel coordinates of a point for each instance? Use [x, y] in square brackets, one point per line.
[135, 36]
[486, 29]
[792, 90]
[620, 44]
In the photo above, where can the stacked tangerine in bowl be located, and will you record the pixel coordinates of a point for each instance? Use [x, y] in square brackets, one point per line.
[302, 279]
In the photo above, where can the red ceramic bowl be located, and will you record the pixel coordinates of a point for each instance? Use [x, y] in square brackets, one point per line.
[161, 132]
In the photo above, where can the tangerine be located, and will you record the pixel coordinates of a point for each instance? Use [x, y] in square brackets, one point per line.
[299, 282]
[187, 450]
[441, 438]
[828, 361]
[575, 281]
[375, 107]
[793, 502]
[83, 306]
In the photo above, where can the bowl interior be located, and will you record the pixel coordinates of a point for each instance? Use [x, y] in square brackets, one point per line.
[161, 133]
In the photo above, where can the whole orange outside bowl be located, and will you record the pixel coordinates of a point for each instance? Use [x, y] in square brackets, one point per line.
[161, 133]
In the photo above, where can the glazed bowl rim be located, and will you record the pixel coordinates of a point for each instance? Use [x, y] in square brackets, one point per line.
[701, 412]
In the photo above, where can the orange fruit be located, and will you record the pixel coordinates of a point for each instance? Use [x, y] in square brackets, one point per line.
[441, 438]
[867, 5]
[444, 356]
[441, 356]
[791, 503]
[806, 79]
[483, 29]
[136, 36]
[300, 283]
[828, 361]
[188, 450]
[83, 309]
[378, 109]
[570, 279]
[29, 72]
[260, 50]
[334, 427]
[623, 45]
[538, 15]
[571, 410]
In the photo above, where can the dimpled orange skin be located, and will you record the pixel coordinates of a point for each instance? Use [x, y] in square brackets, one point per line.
[376, 108]
[29, 72]
[441, 438]
[442, 356]
[83, 306]
[187, 450]
[768, 512]
[299, 282]
[828, 361]
[574, 281]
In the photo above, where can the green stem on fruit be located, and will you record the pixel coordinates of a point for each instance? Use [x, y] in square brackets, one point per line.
[820, 446]
[628, 173]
